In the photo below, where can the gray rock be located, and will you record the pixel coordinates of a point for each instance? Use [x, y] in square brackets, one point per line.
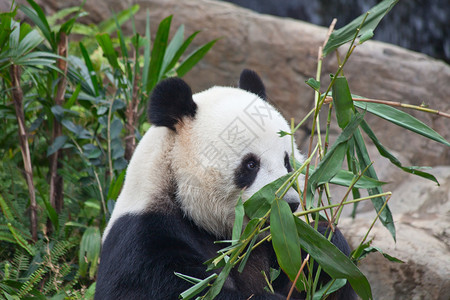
[422, 219]
[284, 52]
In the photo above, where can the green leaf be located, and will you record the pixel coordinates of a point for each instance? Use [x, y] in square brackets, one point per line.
[147, 48]
[51, 213]
[197, 288]
[57, 144]
[172, 49]
[347, 33]
[116, 128]
[238, 220]
[364, 160]
[158, 51]
[38, 17]
[342, 100]
[366, 36]
[29, 42]
[331, 259]
[194, 58]
[87, 60]
[219, 282]
[345, 178]
[332, 161]
[116, 186]
[180, 52]
[313, 83]
[335, 285]
[401, 119]
[21, 241]
[384, 152]
[109, 25]
[285, 239]
[5, 209]
[109, 52]
[371, 249]
[261, 201]
[89, 251]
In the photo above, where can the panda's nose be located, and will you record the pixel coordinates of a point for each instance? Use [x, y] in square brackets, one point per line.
[293, 206]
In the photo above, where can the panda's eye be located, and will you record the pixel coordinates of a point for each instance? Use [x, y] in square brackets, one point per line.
[252, 165]
[245, 174]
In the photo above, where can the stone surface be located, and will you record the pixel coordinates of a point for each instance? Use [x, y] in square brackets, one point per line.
[284, 52]
[422, 219]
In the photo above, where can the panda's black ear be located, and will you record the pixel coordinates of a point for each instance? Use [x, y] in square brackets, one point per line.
[251, 82]
[170, 102]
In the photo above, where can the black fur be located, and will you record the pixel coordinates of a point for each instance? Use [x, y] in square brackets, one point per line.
[251, 82]
[170, 102]
[245, 176]
[141, 253]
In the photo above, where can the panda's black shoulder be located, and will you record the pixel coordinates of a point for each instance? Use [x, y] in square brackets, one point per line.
[142, 251]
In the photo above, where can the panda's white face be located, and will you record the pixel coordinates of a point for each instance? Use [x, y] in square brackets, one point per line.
[203, 151]
[231, 146]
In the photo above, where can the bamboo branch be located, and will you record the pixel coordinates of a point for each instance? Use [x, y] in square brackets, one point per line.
[17, 96]
[329, 99]
[56, 180]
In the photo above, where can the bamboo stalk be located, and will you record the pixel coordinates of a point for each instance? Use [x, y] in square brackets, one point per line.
[329, 99]
[17, 96]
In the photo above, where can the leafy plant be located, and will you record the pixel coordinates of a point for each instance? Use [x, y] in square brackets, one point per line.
[292, 233]
[77, 108]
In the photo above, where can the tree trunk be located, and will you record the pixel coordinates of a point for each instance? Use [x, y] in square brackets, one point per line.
[17, 96]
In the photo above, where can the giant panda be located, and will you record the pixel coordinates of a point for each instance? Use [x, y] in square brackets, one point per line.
[202, 152]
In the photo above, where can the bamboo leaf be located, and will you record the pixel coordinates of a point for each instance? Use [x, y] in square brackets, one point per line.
[285, 239]
[261, 201]
[335, 285]
[345, 178]
[364, 160]
[194, 58]
[384, 152]
[331, 259]
[197, 288]
[313, 83]
[402, 119]
[346, 33]
[342, 100]
[332, 161]
[238, 220]
[371, 249]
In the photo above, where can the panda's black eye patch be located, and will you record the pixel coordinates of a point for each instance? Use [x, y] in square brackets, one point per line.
[246, 172]
[287, 163]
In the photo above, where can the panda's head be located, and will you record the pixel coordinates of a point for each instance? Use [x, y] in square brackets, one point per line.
[204, 150]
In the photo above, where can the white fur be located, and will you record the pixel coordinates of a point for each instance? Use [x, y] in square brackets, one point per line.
[202, 157]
